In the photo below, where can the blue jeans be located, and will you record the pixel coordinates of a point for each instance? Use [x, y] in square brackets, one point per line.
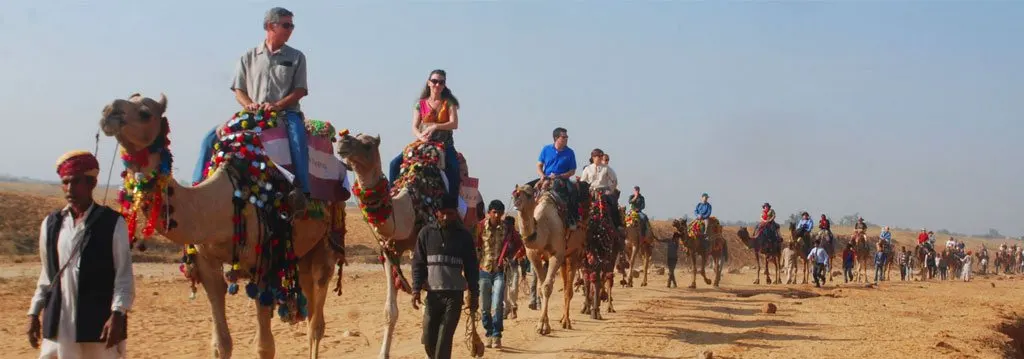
[451, 169]
[492, 302]
[298, 147]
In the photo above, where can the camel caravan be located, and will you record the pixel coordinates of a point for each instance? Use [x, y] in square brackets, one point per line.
[268, 202]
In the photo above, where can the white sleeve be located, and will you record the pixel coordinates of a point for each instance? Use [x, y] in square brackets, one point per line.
[124, 280]
[38, 302]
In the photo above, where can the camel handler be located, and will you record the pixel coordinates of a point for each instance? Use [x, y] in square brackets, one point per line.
[86, 286]
[272, 77]
[445, 265]
[703, 211]
[491, 246]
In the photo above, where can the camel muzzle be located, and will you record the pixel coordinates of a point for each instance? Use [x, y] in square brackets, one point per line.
[111, 126]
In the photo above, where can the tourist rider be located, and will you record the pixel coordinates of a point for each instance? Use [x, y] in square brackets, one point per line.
[557, 162]
[767, 222]
[86, 285]
[805, 225]
[272, 77]
[434, 119]
[602, 179]
[825, 227]
[703, 210]
[445, 265]
[637, 203]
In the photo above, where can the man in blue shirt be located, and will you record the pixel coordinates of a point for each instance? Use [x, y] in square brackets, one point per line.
[703, 211]
[805, 225]
[558, 162]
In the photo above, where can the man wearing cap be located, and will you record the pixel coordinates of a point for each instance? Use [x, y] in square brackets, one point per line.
[86, 285]
[272, 77]
[805, 225]
[445, 265]
[703, 210]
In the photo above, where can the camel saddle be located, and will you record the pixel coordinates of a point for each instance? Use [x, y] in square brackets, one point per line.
[558, 189]
[633, 219]
[422, 177]
[328, 175]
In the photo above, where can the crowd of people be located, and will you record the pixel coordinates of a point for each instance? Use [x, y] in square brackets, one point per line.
[453, 267]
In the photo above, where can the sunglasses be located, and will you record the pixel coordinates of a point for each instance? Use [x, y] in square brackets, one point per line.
[437, 81]
[286, 25]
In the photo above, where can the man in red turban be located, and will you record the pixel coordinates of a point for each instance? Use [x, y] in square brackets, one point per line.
[86, 285]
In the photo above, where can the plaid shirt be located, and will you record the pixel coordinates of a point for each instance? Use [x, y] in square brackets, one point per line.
[488, 243]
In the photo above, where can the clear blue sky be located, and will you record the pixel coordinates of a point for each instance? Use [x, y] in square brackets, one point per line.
[909, 113]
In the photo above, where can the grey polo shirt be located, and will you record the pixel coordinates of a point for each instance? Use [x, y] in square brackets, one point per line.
[270, 76]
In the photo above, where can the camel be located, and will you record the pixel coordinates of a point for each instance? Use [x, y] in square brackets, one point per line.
[201, 218]
[638, 243]
[804, 245]
[602, 249]
[713, 244]
[394, 214]
[545, 233]
[862, 255]
[762, 245]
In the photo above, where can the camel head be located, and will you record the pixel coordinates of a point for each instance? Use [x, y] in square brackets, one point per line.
[521, 195]
[360, 152]
[680, 225]
[136, 122]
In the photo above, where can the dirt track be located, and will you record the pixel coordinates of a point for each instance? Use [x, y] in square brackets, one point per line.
[948, 319]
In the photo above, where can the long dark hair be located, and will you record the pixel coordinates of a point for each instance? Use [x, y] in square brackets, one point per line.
[446, 94]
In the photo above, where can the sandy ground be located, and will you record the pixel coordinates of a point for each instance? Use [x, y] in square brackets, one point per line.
[907, 320]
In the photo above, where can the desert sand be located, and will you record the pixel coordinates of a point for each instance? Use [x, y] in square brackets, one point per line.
[949, 319]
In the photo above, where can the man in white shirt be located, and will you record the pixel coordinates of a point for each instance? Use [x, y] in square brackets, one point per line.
[820, 258]
[86, 286]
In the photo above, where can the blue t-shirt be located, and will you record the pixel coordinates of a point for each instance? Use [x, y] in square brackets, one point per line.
[555, 161]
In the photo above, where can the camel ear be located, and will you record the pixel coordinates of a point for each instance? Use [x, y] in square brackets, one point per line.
[376, 140]
[162, 102]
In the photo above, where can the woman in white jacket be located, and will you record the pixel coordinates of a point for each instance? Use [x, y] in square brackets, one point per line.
[602, 178]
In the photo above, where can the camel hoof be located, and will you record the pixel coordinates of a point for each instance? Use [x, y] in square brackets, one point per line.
[611, 310]
[707, 281]
[644, 284]
[757, 281]
[692, 285]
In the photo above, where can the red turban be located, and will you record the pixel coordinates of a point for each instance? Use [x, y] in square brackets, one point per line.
[78, 163]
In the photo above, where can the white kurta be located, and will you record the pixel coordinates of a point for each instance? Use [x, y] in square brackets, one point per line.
[65, 347]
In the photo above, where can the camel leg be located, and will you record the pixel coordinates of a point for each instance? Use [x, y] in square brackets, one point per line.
[265, 338]
[554, 264]
[757, 259]
[778, 277]
[390, 311]
[633, 260]
[806, 270]
[693, 261]
[717, 262]
[315, 272]
[209, 272]
[767, 270]
[568, 277]
[703, 267]
[610, 282]
[647, 267]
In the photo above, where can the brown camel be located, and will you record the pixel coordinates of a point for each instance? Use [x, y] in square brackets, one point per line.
[698, 244]
[762, 245]
[638, 245]
[202, 216]
[545, 233]
[393, 215]
[862, 255]
[803, 246]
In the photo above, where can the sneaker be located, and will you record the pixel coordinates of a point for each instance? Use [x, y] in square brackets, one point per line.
[497, 343]
[490, 342]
